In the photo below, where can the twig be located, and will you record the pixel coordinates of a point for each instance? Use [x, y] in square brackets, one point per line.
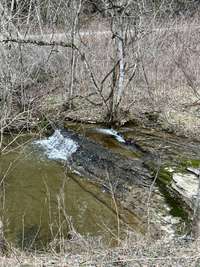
[38, 42]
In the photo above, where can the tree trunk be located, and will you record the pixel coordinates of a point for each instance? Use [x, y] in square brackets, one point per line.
[120, 57]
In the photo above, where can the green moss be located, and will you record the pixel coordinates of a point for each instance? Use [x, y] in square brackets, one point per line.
[182, 165]
[177, 206]
[195, 163]
[164, 175]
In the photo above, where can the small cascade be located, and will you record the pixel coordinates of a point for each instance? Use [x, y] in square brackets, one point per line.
[57, 146]
[111, 132]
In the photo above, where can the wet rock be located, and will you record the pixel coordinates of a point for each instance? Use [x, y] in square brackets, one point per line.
[186, 184]
[194, 170]
[102, 165]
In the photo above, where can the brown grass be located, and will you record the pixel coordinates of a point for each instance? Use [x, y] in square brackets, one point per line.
[131, 253]
[166, 80]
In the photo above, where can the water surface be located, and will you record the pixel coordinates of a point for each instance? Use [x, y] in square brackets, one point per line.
[41, 201]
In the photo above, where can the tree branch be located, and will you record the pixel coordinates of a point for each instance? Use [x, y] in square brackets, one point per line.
[38, 42]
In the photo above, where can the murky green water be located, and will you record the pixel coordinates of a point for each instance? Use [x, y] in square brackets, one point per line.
[40, 202]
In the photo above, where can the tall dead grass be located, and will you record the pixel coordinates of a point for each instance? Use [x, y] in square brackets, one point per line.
[36, 80]
[132, 253]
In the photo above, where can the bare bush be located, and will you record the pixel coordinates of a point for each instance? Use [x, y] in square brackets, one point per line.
[78, 69]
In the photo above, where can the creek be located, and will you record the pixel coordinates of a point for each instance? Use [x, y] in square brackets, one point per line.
[42, 200]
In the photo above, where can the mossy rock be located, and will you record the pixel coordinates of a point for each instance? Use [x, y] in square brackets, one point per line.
[165, 176]
[195, 163]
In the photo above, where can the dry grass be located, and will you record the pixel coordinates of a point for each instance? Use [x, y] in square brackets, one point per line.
[166, 80]
[131, 253]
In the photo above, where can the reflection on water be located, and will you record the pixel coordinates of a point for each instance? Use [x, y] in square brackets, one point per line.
[40, 202]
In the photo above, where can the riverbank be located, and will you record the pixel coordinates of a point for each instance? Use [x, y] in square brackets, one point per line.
[163, 95]
[136, 200]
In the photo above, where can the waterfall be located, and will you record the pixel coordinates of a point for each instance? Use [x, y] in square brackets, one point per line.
[111, 132]
[57, 146]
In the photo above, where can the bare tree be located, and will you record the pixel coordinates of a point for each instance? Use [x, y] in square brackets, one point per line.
[124, 33]
[74, 31]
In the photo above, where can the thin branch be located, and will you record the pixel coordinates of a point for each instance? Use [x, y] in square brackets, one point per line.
[38, 42]
[108, 74]
[132, 75]
[61, 44]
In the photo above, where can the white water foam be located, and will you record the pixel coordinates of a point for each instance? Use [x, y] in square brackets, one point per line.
[111, 132]
[57, 146]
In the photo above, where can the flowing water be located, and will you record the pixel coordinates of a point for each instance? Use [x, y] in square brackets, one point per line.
[41, 201]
